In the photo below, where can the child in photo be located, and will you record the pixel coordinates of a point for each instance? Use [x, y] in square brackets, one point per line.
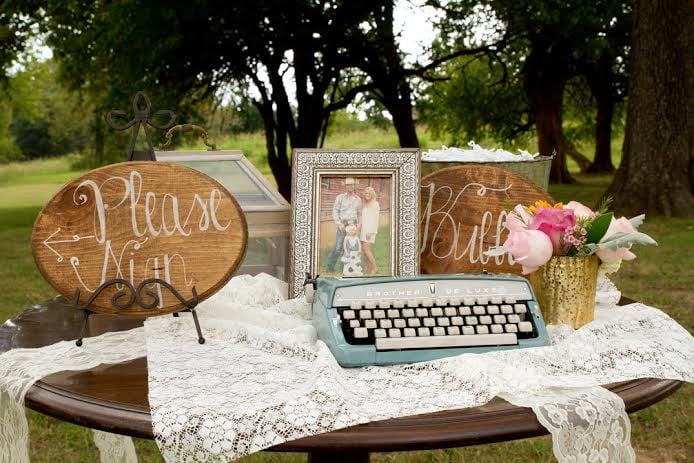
[352, 253]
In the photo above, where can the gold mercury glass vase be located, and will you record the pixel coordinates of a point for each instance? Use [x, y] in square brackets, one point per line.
[565, 289]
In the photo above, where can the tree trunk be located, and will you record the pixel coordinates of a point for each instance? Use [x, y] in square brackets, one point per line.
[405, 128]
[546, 107]
[602, 162]
[387, 70]
[400, 108]
[98, 138]
[545, 75]
[572, 152]
[689, 85]
[600, 82]
[655, 174]
[279, 165]
[310, 94]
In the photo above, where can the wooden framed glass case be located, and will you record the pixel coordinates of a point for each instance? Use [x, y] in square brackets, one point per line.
[267, 212]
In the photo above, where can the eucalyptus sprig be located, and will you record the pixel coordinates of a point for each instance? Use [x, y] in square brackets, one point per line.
[604, 204]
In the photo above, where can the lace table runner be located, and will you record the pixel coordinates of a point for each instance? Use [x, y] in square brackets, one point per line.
[21, 368]
[262, 378]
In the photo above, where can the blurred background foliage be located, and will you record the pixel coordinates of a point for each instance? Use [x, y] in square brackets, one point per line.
[287, 68]
[514, 73]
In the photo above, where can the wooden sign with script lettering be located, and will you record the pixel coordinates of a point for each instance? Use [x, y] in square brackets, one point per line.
[463, 214]
[135, 221]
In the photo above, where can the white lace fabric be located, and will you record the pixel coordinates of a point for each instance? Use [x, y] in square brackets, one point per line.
[21, 368]
[114, 448]
[587, 424]
[262, 378]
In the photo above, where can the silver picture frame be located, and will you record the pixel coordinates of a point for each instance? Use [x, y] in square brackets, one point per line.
[310, 165]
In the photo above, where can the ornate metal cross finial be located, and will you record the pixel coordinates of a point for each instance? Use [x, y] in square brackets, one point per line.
[141, 118]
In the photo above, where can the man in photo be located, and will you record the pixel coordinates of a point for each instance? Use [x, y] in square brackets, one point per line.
[346, 211]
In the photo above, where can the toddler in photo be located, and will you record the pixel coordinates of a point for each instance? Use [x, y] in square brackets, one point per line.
[352, 253]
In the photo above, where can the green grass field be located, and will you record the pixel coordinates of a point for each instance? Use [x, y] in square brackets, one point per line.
[661, 276]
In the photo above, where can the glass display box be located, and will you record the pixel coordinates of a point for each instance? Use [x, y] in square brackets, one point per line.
[267, 212]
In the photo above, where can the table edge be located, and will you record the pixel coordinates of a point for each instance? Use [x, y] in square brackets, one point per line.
[461, 431]
[445, 429]
[417, 432]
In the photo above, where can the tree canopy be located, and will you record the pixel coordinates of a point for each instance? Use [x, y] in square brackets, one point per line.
[511, 70]
[543, 45]
[310, 51]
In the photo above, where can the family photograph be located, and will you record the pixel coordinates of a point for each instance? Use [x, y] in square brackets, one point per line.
[355, 226]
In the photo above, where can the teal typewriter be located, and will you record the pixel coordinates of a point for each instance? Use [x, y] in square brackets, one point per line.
[392, 320]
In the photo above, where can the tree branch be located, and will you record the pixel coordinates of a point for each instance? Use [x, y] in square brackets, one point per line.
[485, 49]
[349, 96]
[434, 79]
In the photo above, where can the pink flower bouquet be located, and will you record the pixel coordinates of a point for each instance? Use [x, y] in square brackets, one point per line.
[540, 231]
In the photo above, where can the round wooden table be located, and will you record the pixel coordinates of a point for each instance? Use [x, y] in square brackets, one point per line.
[114, 398]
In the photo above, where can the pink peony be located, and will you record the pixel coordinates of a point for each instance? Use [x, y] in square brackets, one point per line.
[580, 210]
[518, 219]
[531, 248]
[621, 225]
[553, 222]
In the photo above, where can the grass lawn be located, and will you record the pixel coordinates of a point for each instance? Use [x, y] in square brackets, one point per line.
[661, 276]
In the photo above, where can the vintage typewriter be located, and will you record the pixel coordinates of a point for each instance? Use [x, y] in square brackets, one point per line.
[390, 320]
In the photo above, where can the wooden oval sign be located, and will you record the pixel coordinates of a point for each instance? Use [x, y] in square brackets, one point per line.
[136, 221]
[463, 214]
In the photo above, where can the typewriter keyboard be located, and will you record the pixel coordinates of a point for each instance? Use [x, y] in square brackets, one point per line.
[393, 323]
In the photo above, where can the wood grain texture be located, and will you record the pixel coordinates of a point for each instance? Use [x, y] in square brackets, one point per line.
[135, 221]
[463, 210]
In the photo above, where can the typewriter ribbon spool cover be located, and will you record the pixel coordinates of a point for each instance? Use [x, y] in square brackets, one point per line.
[135, 221]
[463, 211]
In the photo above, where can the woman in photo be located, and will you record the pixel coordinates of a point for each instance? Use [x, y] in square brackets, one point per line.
[370, 214]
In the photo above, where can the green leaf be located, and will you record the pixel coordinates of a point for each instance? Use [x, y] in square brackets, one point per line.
[625, 240]
[638, 220]
[604, 204]
[598, 227]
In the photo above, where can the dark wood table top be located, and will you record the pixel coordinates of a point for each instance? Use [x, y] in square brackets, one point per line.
[114, 397]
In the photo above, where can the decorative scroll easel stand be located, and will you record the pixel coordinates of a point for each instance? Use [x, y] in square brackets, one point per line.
[141, 118]
[135, 296]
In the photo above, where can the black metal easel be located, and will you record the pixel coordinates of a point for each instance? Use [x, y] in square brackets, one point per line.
[141, 118]
[135, 295]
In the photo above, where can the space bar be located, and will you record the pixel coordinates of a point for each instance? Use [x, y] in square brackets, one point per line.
[431, 342]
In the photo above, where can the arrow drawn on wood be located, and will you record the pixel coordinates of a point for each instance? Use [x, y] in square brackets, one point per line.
[75, 239]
